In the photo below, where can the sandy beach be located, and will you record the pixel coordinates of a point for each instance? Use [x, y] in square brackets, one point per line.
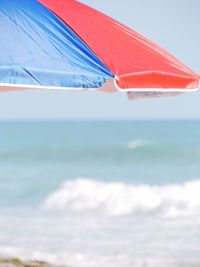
[15, 262]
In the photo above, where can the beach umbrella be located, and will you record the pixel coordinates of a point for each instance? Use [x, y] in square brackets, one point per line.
[65, 44]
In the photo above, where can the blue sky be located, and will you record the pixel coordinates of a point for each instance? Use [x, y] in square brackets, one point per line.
[173, 24]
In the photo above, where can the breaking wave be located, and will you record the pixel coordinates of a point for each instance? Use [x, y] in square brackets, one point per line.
[136, 144]
[122, 199]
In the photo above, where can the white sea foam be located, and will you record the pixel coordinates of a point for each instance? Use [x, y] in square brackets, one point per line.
[136, 144]
[120, 199]
[89, 259]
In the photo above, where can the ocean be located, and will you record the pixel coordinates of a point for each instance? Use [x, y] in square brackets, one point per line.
[101, 194]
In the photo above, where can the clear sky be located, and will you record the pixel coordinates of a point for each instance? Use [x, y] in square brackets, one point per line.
[173, 24]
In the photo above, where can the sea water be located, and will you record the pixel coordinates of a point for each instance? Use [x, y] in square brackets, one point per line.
[99, 194]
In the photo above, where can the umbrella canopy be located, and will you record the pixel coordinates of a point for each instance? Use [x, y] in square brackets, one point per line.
[64, 44]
